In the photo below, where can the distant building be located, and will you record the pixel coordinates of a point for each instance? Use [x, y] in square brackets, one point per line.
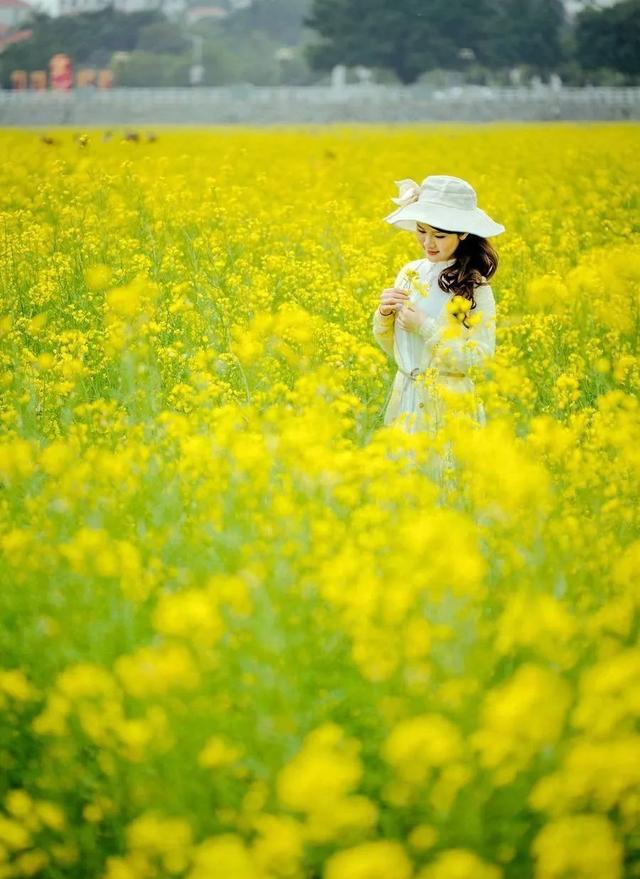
[573, 7]
[137, 5]
[73, 7]
[205, 13]
[171, 8]
[13, 13]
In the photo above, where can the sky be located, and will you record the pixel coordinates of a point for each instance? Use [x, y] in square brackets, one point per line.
[572, 6]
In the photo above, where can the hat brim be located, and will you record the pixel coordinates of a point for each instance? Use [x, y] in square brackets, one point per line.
[476, 221]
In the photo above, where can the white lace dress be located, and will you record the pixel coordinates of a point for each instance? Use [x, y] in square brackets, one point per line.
[412, 403]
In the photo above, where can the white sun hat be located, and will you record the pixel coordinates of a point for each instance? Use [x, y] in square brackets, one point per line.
[449, 203]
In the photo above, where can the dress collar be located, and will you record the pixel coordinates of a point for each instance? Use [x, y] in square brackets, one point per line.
[443, 264]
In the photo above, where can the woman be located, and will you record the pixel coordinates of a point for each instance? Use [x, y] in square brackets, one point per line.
[438, 320]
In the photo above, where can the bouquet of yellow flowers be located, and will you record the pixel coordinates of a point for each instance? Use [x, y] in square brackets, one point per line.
[415, 284]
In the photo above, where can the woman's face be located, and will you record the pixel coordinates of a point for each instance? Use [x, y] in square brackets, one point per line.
[438, 246]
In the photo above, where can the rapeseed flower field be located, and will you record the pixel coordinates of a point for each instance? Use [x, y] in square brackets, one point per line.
[245, 635]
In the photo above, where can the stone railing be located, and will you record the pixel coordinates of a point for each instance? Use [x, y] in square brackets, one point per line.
[264, 105]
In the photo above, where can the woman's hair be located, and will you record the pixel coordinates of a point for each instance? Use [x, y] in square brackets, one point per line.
[475, 258]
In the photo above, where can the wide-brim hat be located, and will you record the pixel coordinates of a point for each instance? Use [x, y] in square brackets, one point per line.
[446, 202]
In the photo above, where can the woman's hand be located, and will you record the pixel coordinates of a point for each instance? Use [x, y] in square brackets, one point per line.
[392, 299]
[409, 319]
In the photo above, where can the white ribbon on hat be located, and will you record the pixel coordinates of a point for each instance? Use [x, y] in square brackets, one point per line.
[408, 192]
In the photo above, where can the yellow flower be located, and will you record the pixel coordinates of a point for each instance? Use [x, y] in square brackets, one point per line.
[50, 814]
[423, 837]
[45, 361]
[324, 770]
[609, 694]
[98, 276]
[17, 460]
[458, 863]
[335, 819]
[37, 324]
[538, 622]
[547, 293]
[419, 744]
[578, 845]
[218, 752]
[279, 847]
[422, 288]
[157, 669]
[13, 834]
[601, 774]
[519, 718]
[56, 457]
[15, 684]
[18, 803]
[85, 679]
[223, 855]
[191, 613]
[168, 839]
[381, 859]
[458, 307]
[30, 863]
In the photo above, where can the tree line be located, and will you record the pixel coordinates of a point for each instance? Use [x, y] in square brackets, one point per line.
[410, 37]
[404, 41]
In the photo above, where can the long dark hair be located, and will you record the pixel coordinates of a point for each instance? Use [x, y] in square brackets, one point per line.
[475, 258]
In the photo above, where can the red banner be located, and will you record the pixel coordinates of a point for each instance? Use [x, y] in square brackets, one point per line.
[61, 72]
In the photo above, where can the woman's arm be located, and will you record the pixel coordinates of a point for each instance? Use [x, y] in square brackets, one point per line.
[383, 325]
[470, 346]
[383, 330]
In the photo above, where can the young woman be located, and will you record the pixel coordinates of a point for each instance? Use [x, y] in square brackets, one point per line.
[440, 313]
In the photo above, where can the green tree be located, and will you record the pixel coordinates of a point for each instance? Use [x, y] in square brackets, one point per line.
[222, 64]
[248, 57]
[279, 20]
[163, 37]
[524, 32]
[152, 69]
[413, 36]
[85, 38]
[609, 38]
